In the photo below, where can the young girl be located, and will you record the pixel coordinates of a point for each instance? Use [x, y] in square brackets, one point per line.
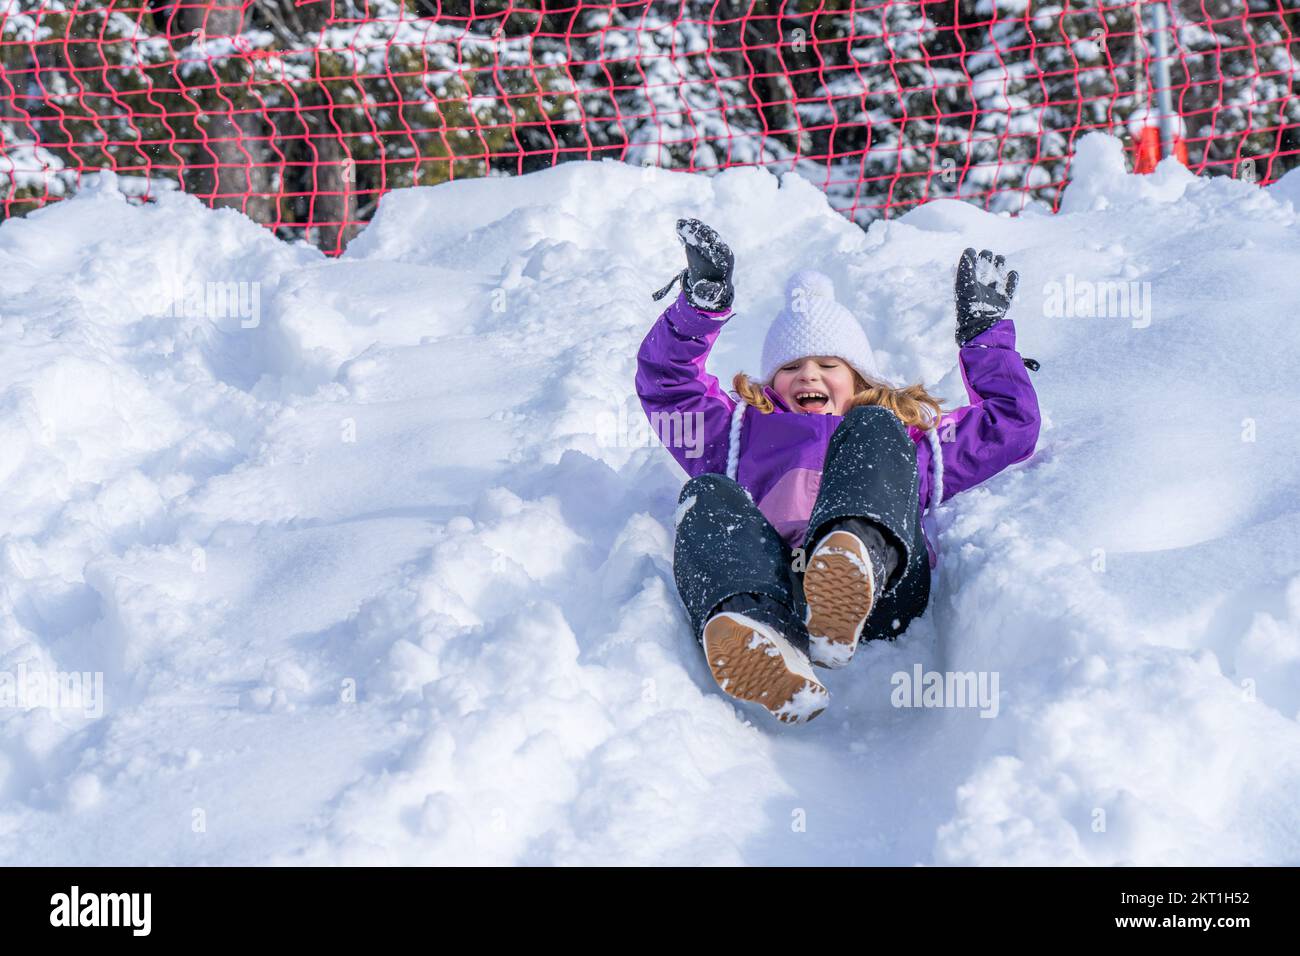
[799, 533]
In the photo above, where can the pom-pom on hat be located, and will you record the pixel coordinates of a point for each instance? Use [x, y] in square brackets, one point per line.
[813, 323]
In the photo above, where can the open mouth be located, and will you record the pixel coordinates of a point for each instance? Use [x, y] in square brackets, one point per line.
[812, 401]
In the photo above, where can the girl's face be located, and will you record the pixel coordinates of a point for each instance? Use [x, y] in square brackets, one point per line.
[817, 385]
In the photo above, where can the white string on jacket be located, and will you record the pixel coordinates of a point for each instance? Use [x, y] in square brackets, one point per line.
[936, 468]
[733, 439]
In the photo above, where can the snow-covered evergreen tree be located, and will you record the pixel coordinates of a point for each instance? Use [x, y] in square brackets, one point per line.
[1044, 74]
[1235, 85]
[302, 114]
[888, 112]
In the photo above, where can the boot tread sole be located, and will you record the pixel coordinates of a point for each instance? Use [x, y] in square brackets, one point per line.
[838, 589]
[745, 669]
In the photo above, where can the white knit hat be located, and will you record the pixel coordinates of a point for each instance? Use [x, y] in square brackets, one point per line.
[813, 323]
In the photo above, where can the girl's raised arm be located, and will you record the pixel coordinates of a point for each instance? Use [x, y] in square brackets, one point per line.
[686, 405]
[1000, 425]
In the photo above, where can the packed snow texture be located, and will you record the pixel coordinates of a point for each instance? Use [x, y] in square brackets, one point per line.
[376, 563]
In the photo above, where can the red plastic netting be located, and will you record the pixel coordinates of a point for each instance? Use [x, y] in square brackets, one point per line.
[303, 114]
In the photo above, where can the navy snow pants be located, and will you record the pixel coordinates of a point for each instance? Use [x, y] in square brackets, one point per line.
[727, 551]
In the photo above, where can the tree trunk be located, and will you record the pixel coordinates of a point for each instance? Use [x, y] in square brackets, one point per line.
[331, 177]
[237, 143]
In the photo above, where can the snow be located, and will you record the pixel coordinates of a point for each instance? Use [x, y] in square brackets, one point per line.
[365, 585]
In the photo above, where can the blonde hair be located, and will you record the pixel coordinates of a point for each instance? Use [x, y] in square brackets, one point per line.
[912, 404]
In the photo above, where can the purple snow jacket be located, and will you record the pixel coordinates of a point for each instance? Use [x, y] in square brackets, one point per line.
[781, 454]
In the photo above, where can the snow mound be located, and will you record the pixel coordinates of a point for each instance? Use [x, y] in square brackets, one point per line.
[373, 556]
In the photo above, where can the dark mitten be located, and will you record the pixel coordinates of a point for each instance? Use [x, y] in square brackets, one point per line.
[709, 264]
[984, 292]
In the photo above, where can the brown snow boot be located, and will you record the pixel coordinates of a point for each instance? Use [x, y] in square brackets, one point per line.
[753, 661]
[839, 587]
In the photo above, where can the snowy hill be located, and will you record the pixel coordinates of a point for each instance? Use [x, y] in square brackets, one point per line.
[376, 566]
